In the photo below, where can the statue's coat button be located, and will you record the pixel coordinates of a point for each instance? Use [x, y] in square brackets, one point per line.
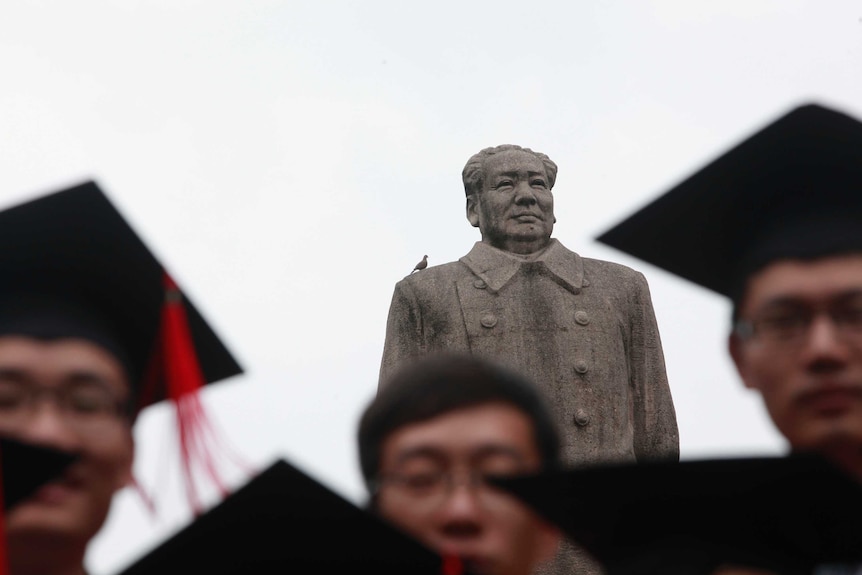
[581, 366]
[479, 284]
[581, 417]
[582, 317]
[488, 320]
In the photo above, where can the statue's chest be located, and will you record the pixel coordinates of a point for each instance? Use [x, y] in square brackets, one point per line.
[532, 307]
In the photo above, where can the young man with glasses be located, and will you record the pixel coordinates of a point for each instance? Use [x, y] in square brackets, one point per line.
[429, 439]
[69, 394]
[798, 341]
[91, 331]
[775, 224]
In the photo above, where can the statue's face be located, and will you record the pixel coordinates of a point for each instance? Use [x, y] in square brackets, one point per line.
[515, 209]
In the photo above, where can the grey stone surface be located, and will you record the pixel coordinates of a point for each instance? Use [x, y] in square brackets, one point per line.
[583, 329]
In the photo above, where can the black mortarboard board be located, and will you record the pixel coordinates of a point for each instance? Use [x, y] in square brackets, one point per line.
[70, 261]
[792, 190]
[782, 514]
[283, 521]
[24, 467]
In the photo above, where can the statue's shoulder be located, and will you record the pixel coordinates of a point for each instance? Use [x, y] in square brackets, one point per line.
[611, 273]
[435, 276]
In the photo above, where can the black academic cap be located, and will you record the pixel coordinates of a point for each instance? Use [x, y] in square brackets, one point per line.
[792, 190]
[283, 521]
[70, 265]
[781, 514]
[24, 467]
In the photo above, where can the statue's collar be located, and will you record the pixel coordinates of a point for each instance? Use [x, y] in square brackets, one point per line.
[496, 267]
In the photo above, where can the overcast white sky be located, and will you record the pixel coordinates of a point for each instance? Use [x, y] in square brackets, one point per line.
[290, 161]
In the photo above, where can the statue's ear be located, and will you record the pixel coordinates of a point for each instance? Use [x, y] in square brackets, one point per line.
[473, 210]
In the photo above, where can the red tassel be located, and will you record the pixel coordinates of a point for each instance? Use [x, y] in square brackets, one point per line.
[184, 379]
[4, 554]
[452, 565]
[146, 498]
[175, 362]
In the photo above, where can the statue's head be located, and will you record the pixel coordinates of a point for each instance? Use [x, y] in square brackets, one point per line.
[509, 197]
[473, 173]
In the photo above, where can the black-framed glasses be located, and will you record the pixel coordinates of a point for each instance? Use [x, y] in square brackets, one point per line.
[84, 405]
[788, 325]
[432, 488]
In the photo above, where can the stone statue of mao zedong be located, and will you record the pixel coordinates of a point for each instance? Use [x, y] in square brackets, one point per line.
[582, 329]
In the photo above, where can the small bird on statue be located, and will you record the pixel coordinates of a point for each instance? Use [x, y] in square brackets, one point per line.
[421, 265]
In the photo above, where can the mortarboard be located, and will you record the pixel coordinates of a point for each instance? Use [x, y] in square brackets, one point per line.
[791, 190]
[784, 514]
[71, 266]
[72, 254]
[283, 521]
[24, 467]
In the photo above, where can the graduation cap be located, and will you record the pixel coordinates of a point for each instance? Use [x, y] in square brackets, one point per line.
[283, 521]
[785, 514]
[70, 262]
[791, 190]
[71, 266]
[24, 467]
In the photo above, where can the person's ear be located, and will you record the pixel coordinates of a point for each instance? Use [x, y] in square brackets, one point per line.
[736, 347]
[473, 210]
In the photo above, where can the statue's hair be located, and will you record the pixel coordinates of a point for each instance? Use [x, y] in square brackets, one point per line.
[473, 174]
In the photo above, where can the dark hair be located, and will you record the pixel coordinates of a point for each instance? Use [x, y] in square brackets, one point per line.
[438, 384]
[473, 174]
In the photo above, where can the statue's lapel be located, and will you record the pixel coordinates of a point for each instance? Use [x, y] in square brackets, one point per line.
[565, 266]
[494, 267]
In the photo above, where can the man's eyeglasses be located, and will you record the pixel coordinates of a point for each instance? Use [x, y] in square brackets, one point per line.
[789, 325]
[85, 406]
[432, 488]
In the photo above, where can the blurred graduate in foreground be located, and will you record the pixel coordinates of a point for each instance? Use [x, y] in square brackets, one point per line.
[92, 330]
[775, 224]
[429, 440]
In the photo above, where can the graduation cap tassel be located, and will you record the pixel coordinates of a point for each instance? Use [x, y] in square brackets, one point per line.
[452, 565]
[184, 378]
[4, 554]
[147, 499]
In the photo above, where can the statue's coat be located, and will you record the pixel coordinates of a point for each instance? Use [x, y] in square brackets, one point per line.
[582, 329]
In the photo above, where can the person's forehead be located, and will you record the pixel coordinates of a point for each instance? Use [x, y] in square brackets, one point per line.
[512, 161]
[463, 432]
[804, 279]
